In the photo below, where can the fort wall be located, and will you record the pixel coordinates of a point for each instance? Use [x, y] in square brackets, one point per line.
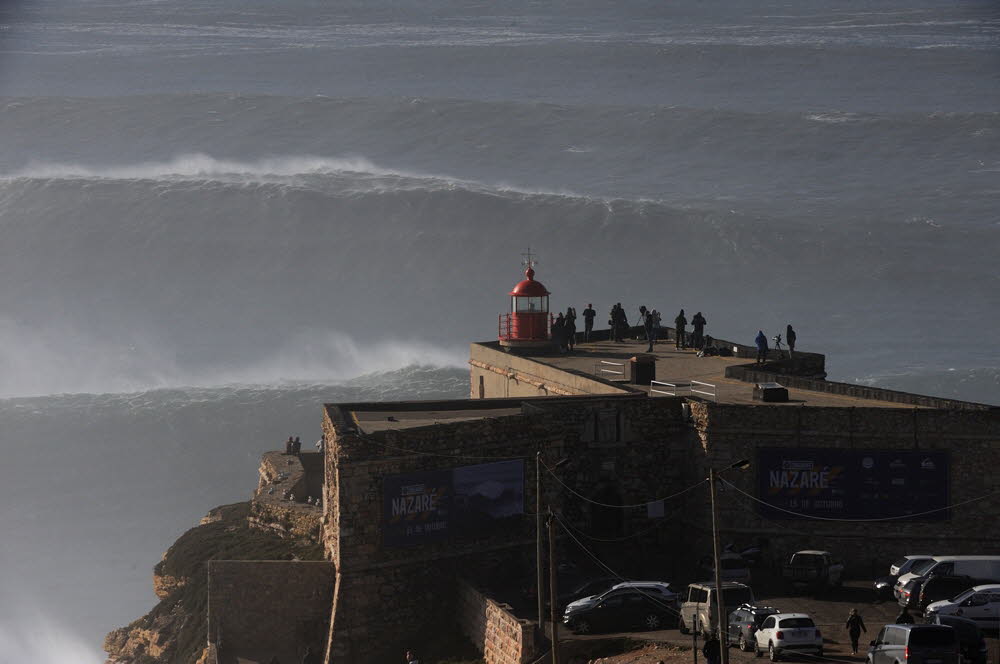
[253, 605]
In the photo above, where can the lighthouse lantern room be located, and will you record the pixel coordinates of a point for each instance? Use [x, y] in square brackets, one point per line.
[528, 323]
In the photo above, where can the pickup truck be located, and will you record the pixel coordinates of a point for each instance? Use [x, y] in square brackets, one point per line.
[813, 570]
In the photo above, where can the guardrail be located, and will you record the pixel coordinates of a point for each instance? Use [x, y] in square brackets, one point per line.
[680, 388]
[606, 368]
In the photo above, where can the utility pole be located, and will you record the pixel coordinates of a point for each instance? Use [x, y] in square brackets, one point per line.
[538, 542]
[553, 590]
[720, 606]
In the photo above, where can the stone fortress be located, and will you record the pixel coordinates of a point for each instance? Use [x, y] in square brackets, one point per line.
[427, 505]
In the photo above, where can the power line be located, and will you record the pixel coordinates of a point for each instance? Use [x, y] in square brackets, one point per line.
[596, 502]
[875, 520]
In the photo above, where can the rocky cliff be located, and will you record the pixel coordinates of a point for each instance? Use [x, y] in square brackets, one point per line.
[174, 631]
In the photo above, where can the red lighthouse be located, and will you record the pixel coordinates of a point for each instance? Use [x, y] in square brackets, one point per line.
[527, 325]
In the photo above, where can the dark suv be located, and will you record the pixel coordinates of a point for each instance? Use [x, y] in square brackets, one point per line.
[914, 644]
[970, 637]
[744, 621]
[618, 610]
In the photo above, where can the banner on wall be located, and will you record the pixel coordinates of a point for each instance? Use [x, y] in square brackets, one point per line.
[852, 484]
[467, 501]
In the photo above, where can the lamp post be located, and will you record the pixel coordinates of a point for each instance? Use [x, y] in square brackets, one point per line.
[539, 555]
[720, 606]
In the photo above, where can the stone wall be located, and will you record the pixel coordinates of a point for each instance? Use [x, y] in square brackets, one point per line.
[286, 482]
[265, 609]
[495, 373]
[732, 432]
[775, 373]
[502, 637]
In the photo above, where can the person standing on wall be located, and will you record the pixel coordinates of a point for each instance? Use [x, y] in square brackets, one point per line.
[790, 340]
[642, 317]
[588, 321]
[698, 338]
[680, 323]
[559, 333]
[761, 342]
[855, 625]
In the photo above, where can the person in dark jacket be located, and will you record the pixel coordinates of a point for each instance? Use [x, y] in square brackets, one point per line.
[588, 321]
[698, 338]
[855, 625]
[904, 617]
[790, 340]
[680, 323]
[761, 342]
[559, 333]
[569, 327]
[712, 650]
[643, 313]
[649, 326]
[614, 320]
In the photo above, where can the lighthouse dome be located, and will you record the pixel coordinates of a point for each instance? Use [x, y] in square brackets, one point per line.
[529, 287]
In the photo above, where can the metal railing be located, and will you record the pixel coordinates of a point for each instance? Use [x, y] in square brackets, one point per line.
[610, 370]
[680, 388]
[533, 328]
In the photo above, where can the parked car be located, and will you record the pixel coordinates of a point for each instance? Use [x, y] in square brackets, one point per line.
[971, 643]
[978, 567]
[744, 623]
[979, 603]
[627, 606]
[914, 644]
[909, 595]
[884, 584]
[815, 570]
[936, 588]
[699, 612]
[784, 633]
[588, 588]
[734, 568]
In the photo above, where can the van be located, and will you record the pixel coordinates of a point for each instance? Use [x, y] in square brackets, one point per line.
[699, 611]
[914, 644]
[978, 567]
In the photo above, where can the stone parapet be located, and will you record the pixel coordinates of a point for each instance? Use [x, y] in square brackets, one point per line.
[500, 636]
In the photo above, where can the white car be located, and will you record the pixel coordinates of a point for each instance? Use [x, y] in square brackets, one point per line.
[979, 603]
[785, 633]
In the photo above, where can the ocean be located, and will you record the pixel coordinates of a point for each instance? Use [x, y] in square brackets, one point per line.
[218, 215]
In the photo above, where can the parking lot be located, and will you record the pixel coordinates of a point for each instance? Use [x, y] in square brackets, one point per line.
[829, 611]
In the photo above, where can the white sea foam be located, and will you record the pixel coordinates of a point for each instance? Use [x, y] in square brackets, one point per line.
[35, 639]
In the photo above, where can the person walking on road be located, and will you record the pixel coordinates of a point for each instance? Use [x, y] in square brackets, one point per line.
[790, 340]
[588, 321]
[855, 625]
[761, 342]
[680, 322]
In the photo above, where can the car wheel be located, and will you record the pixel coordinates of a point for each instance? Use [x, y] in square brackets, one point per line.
[681, 627]
[581, 627]
[652, 621]
[772, 653]
[744, 646]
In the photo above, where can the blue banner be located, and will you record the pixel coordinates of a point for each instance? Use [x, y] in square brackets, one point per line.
[853, 484]
[437, 504]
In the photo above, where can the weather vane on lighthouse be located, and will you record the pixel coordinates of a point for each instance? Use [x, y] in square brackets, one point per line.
[529, 260]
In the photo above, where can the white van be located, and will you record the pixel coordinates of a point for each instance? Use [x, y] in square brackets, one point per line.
[977, 567]
[699, 611]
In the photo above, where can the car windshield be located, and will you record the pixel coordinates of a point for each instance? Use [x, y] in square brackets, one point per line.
[790, 623]
[922, 566]
[933, 638]
[962, 596]
[807, 560]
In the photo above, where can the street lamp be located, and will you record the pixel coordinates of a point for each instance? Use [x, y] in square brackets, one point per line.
[720, 605]
[538, 540]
